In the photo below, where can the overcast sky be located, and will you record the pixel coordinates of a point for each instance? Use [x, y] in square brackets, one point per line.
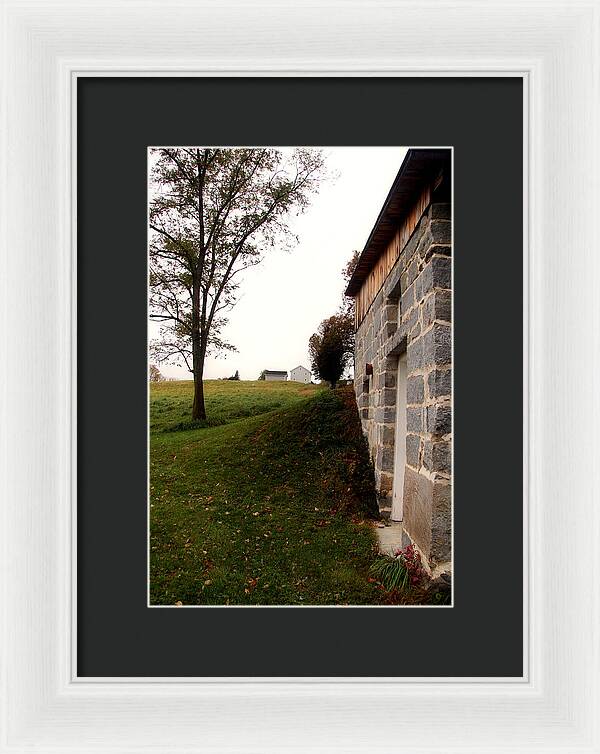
[283, 300]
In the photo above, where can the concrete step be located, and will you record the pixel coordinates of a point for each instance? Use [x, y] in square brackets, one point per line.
[390, 537]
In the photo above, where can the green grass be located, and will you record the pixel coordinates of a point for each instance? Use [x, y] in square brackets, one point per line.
[226, 401]
[267, 504]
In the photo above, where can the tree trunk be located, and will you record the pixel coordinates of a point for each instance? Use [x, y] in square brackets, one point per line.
[199, 354]
[198, 409]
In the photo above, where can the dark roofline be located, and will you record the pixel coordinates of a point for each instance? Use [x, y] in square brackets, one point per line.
[419, 167]
[275, 371]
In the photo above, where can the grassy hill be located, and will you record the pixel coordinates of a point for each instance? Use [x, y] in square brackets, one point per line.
[266, 503]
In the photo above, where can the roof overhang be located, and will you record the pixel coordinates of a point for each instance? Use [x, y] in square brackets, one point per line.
[419, 167]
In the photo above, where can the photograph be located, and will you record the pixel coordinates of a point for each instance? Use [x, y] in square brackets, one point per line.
[300, 376]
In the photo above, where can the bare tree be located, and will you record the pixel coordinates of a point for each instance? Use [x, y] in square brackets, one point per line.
[154, 374]
[213, 214]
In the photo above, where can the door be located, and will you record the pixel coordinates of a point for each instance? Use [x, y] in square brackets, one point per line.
[400, 441]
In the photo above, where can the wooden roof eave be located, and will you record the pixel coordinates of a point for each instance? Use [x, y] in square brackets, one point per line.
[418, 168]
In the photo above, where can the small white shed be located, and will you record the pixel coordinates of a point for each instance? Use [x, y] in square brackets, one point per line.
[300, 374]
[274, 375]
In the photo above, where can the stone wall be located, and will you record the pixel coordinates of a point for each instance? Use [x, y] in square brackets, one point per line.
[412, 314]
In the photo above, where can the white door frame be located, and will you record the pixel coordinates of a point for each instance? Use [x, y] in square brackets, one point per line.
[399, 441]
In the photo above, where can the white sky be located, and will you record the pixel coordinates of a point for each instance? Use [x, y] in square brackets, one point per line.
[283, 300]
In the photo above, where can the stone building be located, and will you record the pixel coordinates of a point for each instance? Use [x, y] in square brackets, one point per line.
[402, 287]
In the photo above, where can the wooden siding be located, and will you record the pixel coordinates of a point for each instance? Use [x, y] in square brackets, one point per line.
[376, 277]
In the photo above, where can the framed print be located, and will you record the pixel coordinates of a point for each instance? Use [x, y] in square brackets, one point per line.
[374, 523]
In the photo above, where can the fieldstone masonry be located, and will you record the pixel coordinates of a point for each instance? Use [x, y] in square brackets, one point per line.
[412, 314]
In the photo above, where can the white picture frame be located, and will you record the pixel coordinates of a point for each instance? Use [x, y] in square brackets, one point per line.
[554, 48]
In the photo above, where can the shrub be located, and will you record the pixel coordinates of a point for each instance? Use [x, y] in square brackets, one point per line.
[400, 571]
[391, 572]
[412, 561]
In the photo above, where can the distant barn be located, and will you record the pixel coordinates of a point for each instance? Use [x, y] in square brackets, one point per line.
[300, 374]
[274, 375]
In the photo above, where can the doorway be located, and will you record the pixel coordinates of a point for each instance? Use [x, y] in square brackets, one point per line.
[400, 442]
